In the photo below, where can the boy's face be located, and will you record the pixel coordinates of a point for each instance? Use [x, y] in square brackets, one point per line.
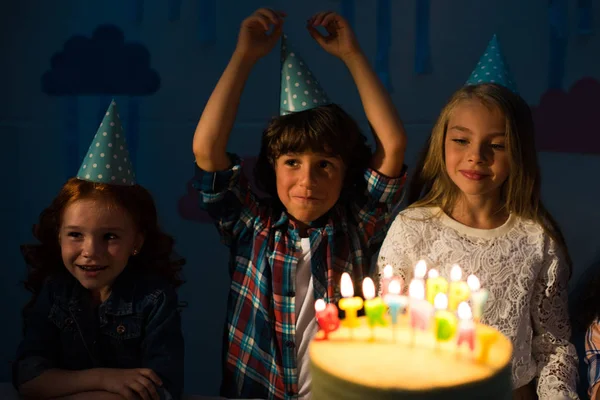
[96, 242]
[309, 184]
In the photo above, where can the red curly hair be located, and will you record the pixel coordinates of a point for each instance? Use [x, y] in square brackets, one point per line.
[44, 258]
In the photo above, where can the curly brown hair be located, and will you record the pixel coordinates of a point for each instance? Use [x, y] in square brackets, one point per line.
[326, 129]
[156, 255]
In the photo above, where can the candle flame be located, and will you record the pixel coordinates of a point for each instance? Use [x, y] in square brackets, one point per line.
[416, 289]
[433, 273]
[473, 283]
[394, 287]
[440, 302]
[346, 286]
[368, 288]
[388, 271]
[420, 269]
[455, 273]
[464, 311]
[319, 305]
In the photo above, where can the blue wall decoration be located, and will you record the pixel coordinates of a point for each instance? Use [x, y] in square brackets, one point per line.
[422, 46]
[101, 104]
[72, 131]
[207, 22]
[136, 10]
[584, 17]
[384, 41]
[347, 9]
[132, 128]
[557, 19]
[103, 65]
[174, 10]
[575, 111]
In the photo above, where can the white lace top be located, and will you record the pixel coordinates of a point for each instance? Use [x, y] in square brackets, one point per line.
[522, 268]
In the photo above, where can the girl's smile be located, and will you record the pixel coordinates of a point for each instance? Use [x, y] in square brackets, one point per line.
[96, 241]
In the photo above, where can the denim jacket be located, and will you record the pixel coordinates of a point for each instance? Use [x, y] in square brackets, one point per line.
[138, 326]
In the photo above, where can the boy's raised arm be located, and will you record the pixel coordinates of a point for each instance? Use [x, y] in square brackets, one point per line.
[388, 131]
[216, 122]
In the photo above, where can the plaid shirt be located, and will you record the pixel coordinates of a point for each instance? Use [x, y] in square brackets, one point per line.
[260, 359]
[592, 357]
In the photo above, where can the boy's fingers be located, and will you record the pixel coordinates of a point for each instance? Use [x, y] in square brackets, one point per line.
[316, 34]
[276, 33]
[321, 17]
[317, 18]
[329, 18]
[260, 19]
[271, 15]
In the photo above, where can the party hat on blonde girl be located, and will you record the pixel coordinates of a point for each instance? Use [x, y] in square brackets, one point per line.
[492, 68]
[300, 90]
[107, 160]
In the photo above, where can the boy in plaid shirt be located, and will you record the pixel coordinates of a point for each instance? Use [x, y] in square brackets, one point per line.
[592, 358]
[329, 208]
[586, 317]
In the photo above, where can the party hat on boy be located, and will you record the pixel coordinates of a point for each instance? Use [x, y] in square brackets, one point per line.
[107, 159]
[300, 90]
[492, 68]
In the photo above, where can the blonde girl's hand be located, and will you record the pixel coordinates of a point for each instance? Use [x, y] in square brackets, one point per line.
[254, 39]
[340, 40]
[131, 384]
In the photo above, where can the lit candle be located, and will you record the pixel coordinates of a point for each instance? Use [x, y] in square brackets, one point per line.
[327, 317]
[466, 326]
[374, 306]
[485, 338]
[478, 296]
[395, 302]
[435, 284]
[420, 270]
[388, 275]
[445, 321]
[459, 290]
[420, 310]
[350, 303]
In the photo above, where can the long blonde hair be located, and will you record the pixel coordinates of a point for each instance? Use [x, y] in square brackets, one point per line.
[521, 194]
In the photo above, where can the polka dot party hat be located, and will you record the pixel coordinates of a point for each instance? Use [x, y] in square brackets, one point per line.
[492, 68]
[107, 159]
[300, 90]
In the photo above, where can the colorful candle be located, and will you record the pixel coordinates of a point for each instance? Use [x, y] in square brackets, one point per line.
[485, 338]
[327, 317]
[388, 275]
[466, 326]
[420, 310]
[458, 289]
[395, 302]
[445, 321]
[420, 270]
[374, 306]
[479, 296]
[435, 284]
[350, 303]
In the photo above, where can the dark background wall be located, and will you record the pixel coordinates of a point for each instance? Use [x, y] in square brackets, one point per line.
[175, 60]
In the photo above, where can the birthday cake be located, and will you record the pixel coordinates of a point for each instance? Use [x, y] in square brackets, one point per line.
[426, 353]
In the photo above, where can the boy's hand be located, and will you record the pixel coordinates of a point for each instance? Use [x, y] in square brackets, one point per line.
[132, 384]
[341, 41]
[254, 41]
